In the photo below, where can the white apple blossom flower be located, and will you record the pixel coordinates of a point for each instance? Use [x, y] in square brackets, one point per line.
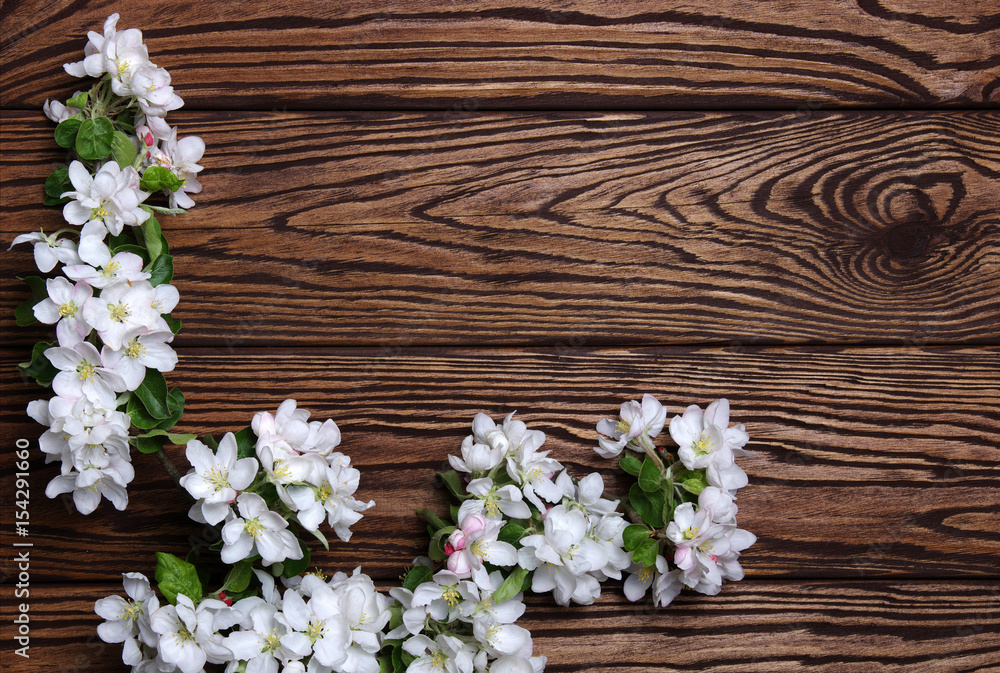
[289, 432]
[635, 422]
[189, 636]
[123, 267]
[257, 530]
[502, 639]
[184, 155]
[475, 542]
[90, 485]
[121, 309]
[493, 501]
[124, 55]
[49, 250]
[82, 372]
[328, 495]
[151, 87]
[64, 309]
[94, 63]
[216, 478]
[127, 620]
[563, 557]
[366, 612]
[515, 664]
[141, 350]
[58, 112]
[533, 469]
[317, 626]
[707, 443]
[444, 654]
[110, 198]
[260, 643]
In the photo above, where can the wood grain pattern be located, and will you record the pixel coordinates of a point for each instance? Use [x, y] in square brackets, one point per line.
[867, 463]
[752, 627]
[511, 54]
[572, 229]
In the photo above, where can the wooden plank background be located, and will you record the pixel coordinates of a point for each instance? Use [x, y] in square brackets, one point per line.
[417, 211]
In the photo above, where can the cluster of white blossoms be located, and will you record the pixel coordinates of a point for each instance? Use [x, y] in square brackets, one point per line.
[697, 484]
[566, 532]
[310, 480]
[111, 300]
[313, 626]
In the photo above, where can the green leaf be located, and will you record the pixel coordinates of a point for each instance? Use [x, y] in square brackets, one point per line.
[153, 393]
[210, 442]
[295, 567]
[175, 576]
[433, 519]
[238, 577]
[79, 101]
[159, 178]
[25, 313]
[67, 131]
[178, 439]
[649, 476]
[436, 547]
[646, 553]
[318, 534]
[126, 121]
[246, 443]
[693, 481]
[140, 417]
[39, 367]
[173, 323]
[175, 406]
[161, 270]
[153, 236]
[634, 535]
[149, 444]
[93, 140]
[122, 149]
[451, 481]
[630, 464]
[649, 506]
[58, 183]
[417, 576]
[512, 533]
[511, 586]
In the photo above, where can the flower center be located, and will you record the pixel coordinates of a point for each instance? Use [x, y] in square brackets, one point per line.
[490, 504]
[690, 533]
[451, 595]
[183, 633]
[219, 481]
[624, 426]
[110, 269]
[271, 642]
[119, 312]
[479, 548]
[702, 446]
[438, 660]
[135, 349]
[316, 630]
[67, 310]
[85, 370]
[253, 527]
[324, 492]
[100, 212]
[131, 612]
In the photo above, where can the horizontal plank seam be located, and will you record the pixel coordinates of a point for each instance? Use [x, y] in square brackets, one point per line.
[825, 107]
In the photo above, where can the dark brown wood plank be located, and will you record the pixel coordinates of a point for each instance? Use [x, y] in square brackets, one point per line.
[570, 228]
[868, 462]
[530, 55]
[752, 627]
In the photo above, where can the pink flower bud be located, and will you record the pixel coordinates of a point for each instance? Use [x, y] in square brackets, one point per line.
[473, 524]
[456, 541]
[459, 564]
